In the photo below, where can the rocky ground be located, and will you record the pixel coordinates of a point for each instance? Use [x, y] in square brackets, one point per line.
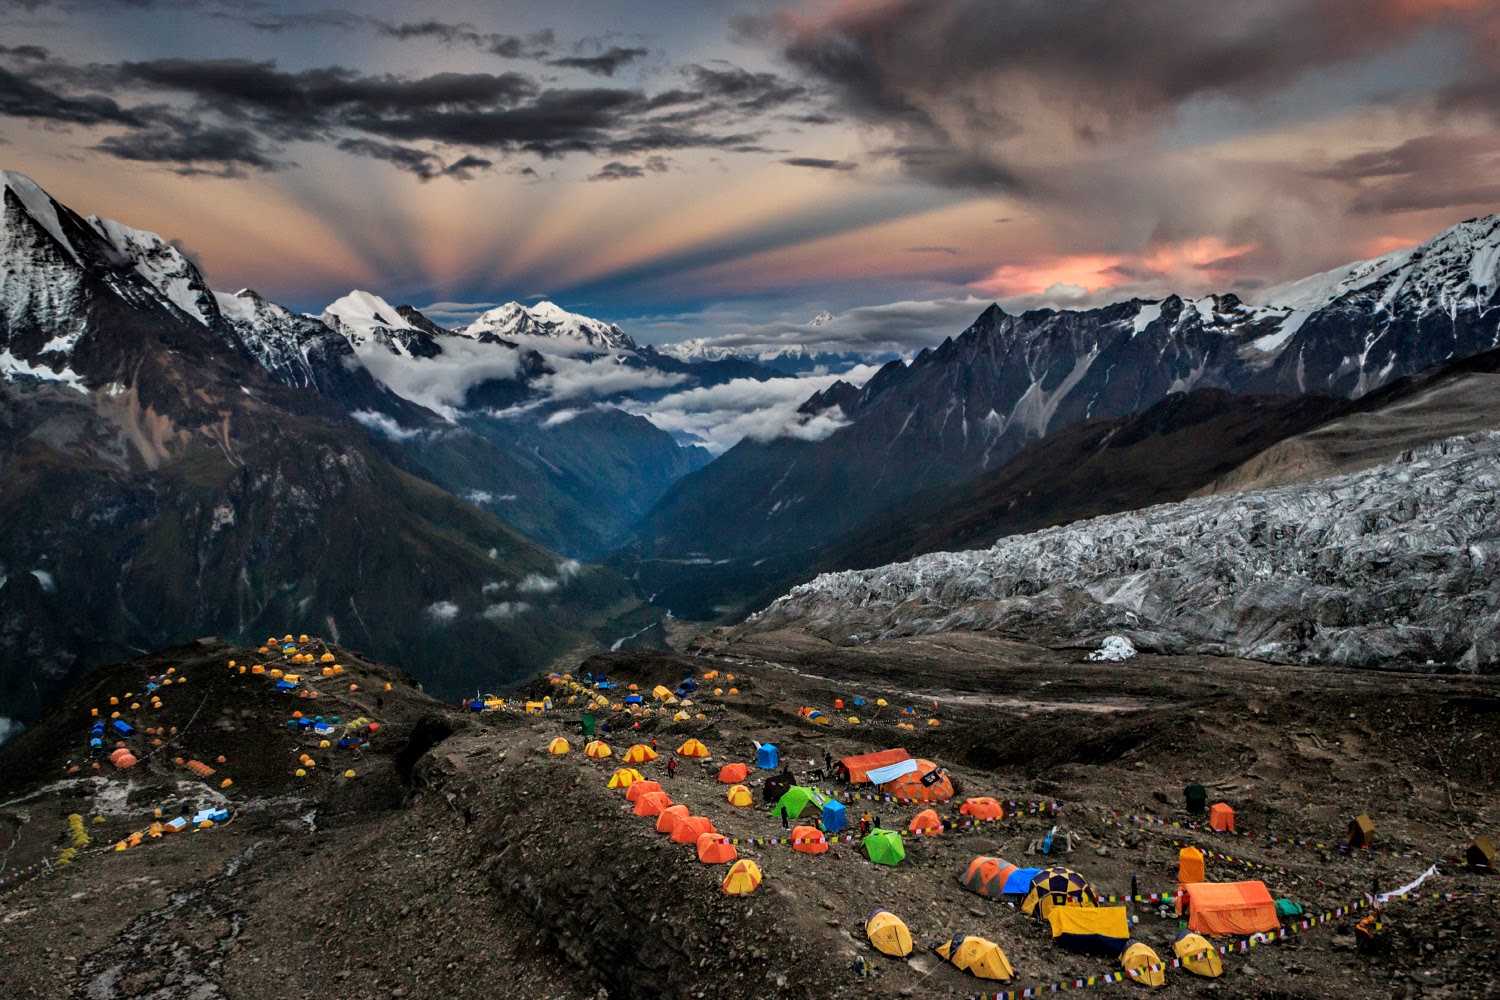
[464, 860]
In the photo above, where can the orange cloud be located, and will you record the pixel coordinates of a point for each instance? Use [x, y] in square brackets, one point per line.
[1189, 265]
[1090, 271]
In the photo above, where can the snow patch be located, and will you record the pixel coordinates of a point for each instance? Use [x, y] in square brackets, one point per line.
[1114, 649]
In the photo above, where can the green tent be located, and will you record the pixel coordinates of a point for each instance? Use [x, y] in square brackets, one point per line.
[588, 724]
[1287, 908]
[884, 847]
[797, 800]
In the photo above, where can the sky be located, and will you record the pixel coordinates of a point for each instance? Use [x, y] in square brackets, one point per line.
[729, 169]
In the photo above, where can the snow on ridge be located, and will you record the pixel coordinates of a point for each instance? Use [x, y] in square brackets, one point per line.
[1329, 571]
[164, 267]
[547, 320]
[365, 312]
[38, 205]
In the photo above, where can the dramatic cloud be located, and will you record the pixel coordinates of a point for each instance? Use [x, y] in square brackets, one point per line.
[614, 170]
[424, 165]
[443, 382]
[602, 64]
[1441, 170]
[819, 164]
[717, 417]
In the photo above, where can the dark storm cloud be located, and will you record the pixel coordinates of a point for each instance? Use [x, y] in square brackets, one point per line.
[614, 170]
[534, 46]
[1441, 170]
[819, 164]
[21, 98]
[189, 150]
[604, 63]
[420, 163]
[956, 78]
[744, 89]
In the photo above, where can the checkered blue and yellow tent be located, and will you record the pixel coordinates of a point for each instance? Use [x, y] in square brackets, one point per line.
[1057, 887]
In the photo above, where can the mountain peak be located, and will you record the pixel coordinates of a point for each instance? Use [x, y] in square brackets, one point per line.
[548, 319]
[38, 204]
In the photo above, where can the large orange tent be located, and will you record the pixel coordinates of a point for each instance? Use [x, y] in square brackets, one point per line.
[715, 849]
[1228, 907]
[912, 788]
[639, 789]
[668, 818]
[652, 803]
[809, 840]
[983, 808]
[1221, 817]
[733, 774]
[689, 828]
[855, 770]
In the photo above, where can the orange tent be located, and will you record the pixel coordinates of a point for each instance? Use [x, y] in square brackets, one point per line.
[926, 821]
[668, 818]
[733, 774]
[911, 787]
[855, 770]
[652, 803]
[1228, 907]
[1221, 817]
[690, 828]
[640, 789]
[986, 876]
[809, 840]
[715, 849]
[1190, 866]
[983, 808]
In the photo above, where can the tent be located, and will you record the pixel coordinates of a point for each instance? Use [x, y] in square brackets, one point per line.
[778, 785]
[624, 777]
[1058, 887]
[743, 878]
[1361, 832]
[1228, 908]
[1190, 866]
[798, 800]
[640, 789]
[733, 774]
[688, 830]
[596, 750]
[982, 808]
[668, 818]
[1481, 853]
[1196, 797]
[1287, 908]
[1092, 930]
[661, 693]
[809, 840]
[739, 795]
[976, 955]
[1144, 966]
[681, 717]
[692, 748]
[835, 816]
[986, 876]
[634, 699]
[927, 784]
[652, 803]
[766, 757]
[715, 849]
[1197, 955]
[854, 770]
[640, 753]
[884, 847]
[926, 822]
[1221, 817]
[1018, 883]
[888, 933]
[558, 746]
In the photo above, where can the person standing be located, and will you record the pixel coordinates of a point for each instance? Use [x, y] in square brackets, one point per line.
[672, 767]
[785, 819]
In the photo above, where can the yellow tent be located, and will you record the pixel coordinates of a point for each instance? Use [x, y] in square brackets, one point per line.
[976, 955]
[680, 717]
[1197, 955]
[1144, 966]
[739, 795]
[596, 750]
[888, 933]
[558, 746]
[743, 878]
[625, 777]
[661, 693]
[640, 753]
[881, 702]
[692, 748]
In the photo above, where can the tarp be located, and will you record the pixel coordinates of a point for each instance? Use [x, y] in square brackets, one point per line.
[855, 770]
[880, 775]
[1228, 908]
[888, 933]
[1018, 882]
[1091, 930]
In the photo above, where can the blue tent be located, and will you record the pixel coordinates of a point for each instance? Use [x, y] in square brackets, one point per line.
[1018, 883]
[766, 758]
[688, 686]
[634, 699]
[286, 686]
[124, 728]
[835, 817]
[859, 702]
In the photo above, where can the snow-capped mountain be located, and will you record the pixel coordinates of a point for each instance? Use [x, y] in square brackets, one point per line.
[163, 266]
[366, 320]
[571, 331]
[791, 359]
[972, 403]
[1391, 565]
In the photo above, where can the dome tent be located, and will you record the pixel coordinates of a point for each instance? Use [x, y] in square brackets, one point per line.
[1197, 955]
[743, 878]
[1144, 966]
[986, 876]
[639, 789]
[888, 933]
[558, 747]
[978, 956]
[715, 849]
[1057, 887]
